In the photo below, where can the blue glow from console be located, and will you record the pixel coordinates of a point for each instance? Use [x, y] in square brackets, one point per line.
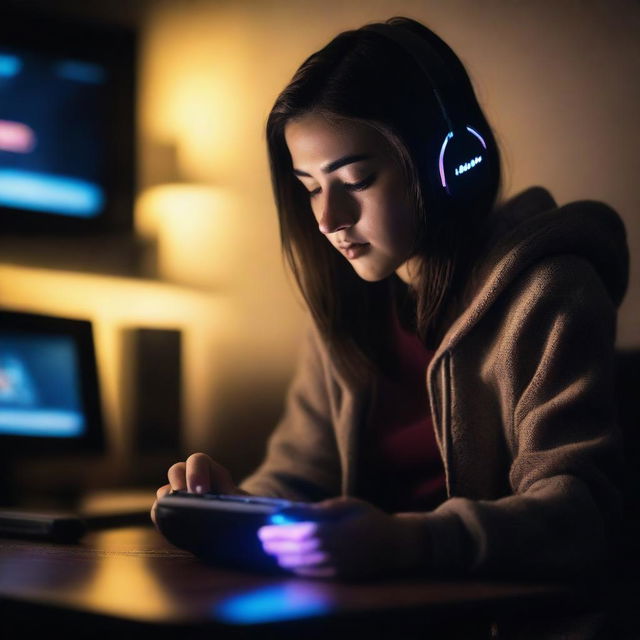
[10, 65]
[50, 193]
[279, 518]
[80, 71]
[275, 602]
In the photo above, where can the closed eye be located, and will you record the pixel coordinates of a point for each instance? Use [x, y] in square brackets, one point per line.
[353, 186]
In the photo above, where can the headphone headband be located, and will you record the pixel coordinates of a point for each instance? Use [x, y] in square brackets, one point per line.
[410, 42]
[462, 156]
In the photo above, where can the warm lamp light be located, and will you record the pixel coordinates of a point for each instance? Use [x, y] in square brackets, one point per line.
[195, 232]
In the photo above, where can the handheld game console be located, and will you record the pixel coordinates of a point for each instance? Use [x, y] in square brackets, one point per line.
[222, 529]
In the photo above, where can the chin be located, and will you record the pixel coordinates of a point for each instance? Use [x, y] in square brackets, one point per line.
[373, 275]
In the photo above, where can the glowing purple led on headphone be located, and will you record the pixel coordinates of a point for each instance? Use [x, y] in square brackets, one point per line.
[440, 164]
[444, 146]
[477, 135]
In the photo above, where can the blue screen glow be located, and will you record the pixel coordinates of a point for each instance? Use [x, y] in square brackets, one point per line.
[39, 386]
[280, 518]
[275, 602]
[53, 133]
[9, 65]
[80, 71]
[55, 194]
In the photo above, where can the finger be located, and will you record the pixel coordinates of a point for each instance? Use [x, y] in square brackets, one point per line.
[291, 546]
[303, 559]
[294, 531]
[209, 475]
[198, 473]
[177, 476]
[163, 490]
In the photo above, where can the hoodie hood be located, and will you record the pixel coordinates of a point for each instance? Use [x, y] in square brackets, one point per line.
[530, 227]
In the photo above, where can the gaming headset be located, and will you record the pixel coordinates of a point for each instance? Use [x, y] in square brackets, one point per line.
[462, 155]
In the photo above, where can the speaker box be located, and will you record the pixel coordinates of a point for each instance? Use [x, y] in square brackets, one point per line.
[152, 399]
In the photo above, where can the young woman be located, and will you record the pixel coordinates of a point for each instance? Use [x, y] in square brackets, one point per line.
[453, 406]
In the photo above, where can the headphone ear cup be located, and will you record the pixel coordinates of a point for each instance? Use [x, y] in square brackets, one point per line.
[463, 165]
[462, 168]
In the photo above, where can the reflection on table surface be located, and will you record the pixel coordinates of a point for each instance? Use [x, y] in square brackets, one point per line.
[134, 573]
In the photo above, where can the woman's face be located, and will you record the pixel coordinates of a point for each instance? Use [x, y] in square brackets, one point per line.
[357, 193]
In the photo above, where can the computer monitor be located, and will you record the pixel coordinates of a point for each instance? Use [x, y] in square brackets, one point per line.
[49, 390]
[67, 105]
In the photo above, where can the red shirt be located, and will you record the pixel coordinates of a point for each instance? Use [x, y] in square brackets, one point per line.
[404, 469]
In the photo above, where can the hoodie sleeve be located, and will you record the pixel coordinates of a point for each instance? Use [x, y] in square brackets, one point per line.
[555, 381]
[301, 460]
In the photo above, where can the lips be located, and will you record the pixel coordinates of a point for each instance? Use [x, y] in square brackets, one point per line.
[354, 249]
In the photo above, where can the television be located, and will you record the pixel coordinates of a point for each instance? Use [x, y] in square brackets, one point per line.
[67, 125]
[49, 392]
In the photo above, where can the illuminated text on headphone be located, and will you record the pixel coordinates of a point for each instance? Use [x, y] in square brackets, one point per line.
[468, 165]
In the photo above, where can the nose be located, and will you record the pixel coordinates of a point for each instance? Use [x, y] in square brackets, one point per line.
[327, 225]
[336, 215]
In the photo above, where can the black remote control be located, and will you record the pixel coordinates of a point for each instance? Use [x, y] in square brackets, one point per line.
[222, 529]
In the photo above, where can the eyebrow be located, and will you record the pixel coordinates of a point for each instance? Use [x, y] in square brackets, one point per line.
[336, 164]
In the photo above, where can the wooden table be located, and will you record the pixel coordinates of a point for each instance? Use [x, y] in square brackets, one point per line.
[130, 582]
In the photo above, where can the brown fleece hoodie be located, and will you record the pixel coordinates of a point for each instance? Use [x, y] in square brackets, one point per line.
[521, 390]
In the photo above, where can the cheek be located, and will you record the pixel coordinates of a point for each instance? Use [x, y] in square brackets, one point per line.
[312, 207]
[393, 214]
[398, 226]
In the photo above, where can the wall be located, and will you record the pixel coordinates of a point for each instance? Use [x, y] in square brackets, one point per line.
[558, 80]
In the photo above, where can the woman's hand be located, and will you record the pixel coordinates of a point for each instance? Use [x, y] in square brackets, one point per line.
[198, 474]
[353, 539]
